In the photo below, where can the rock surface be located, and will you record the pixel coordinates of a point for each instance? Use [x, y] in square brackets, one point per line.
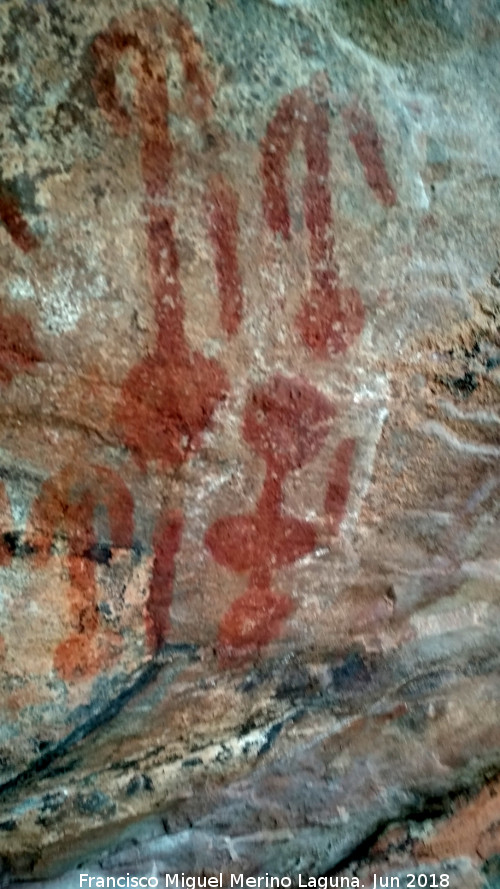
[249, 438]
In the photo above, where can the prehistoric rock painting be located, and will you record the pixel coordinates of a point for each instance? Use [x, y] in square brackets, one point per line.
[222, 205]
[332, 316]
[15, 223]
[166, 542]
[368, 145]
[18, 349]
[168, 399]
[286, 422]
[337, 492]
[66, 508]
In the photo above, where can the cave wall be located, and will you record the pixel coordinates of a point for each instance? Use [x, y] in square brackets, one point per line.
[249, 438]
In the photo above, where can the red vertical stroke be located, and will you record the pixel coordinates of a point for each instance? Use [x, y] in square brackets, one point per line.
[222, 209]
[368, 144]
[337, 492]
[166, 542]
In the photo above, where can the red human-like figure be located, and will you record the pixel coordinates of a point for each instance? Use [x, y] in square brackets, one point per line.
[168, 398]
[286, 422]
[332, 316]
[66, 505]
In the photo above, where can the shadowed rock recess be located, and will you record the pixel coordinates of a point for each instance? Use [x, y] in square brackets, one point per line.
[250, 441]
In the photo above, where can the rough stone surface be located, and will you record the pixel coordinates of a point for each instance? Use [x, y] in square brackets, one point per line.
[249, 438]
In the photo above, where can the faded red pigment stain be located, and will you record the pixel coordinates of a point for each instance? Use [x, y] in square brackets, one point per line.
[332, 316]
[166, 541]
[368, 144]
[338, 488]
[15, 223]
[6, 526]
[222, 211]
[286, 422]
[66, 508]
[168, 399]
[18, 349]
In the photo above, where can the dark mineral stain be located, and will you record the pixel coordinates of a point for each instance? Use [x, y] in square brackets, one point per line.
[138, 784]
[296, 683]
[463, 386]
[96, 803]
[100, 553]
[272, 734]
[352, 672]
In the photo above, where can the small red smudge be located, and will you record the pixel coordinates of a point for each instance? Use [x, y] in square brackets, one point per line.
[337, 492]
[222, 207]
[251, 623]
[18, 350]
[368, 144]
[15, 223]
[166, 541]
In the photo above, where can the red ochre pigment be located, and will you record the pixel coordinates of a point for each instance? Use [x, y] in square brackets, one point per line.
[332, 317]
[369, 147]
[337, 492]
[15, 223]
[286, 422]
[66, 506]
[222, 211]
[167, 399]
[166, 542]
[18, 350]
